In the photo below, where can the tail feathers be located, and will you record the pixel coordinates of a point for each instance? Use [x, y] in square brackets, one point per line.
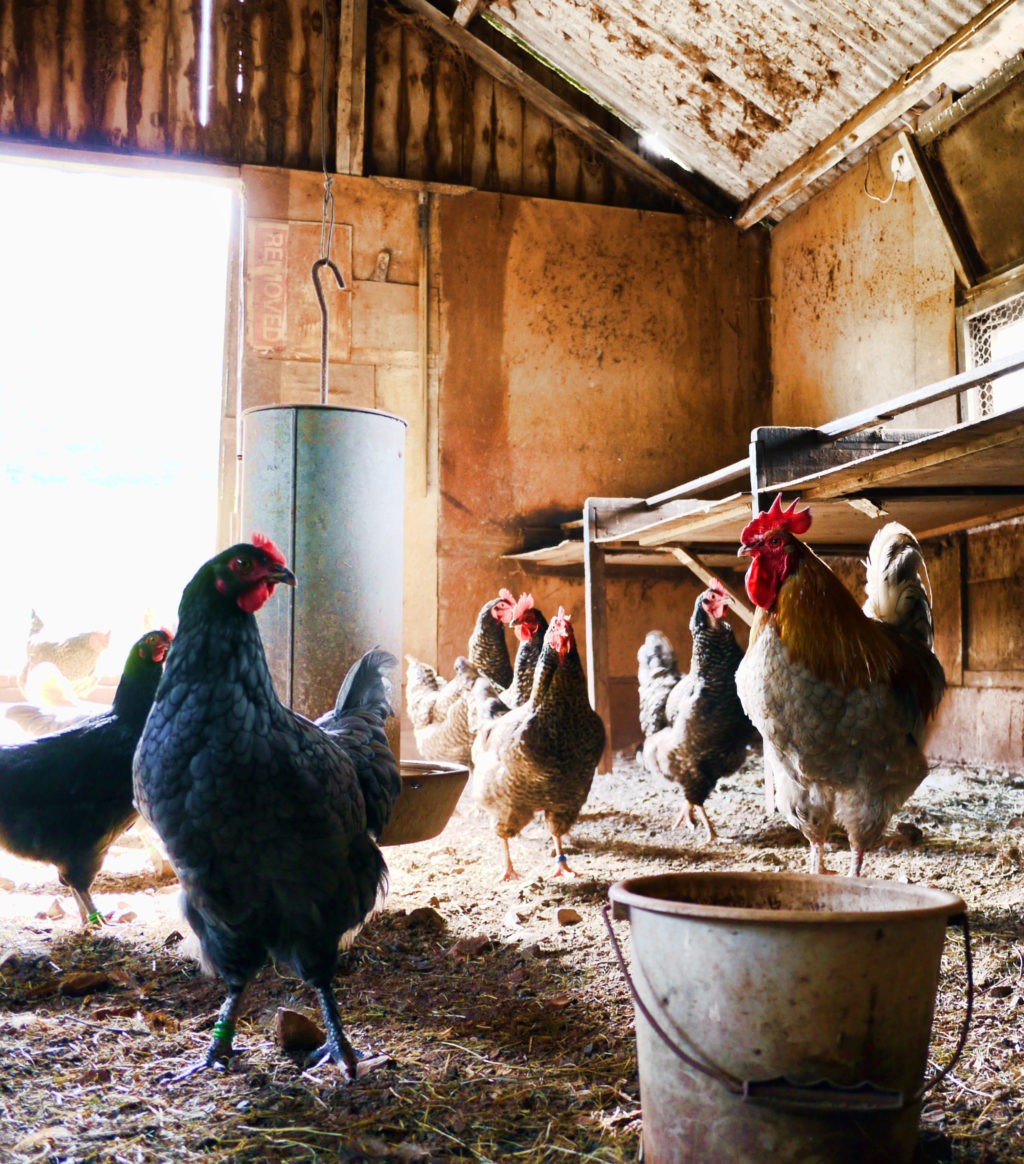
[485, 704]
[899, 591]
[366, 687]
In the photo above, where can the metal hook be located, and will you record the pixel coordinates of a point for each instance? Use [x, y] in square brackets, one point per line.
[320, 263]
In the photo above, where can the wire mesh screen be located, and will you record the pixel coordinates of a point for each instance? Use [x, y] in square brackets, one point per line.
[991, 334]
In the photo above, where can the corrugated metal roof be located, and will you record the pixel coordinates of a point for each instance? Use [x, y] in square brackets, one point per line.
[741, 91]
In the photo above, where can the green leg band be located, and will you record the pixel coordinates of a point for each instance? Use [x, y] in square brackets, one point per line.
[223, 1031]
[95, 918]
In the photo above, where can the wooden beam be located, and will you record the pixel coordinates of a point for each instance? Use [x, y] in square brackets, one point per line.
[904, 92]
[707, 577]
[960, 256]
[351, 138]
[558, 110]
[737, 471]
[466, 10]
[597, 629]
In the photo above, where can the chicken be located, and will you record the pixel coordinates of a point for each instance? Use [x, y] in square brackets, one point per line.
[540, 756]
[709, 734]
[446, 736]
[269, 821]
[843, 697]
[657, 674]
[530, 627]
[488, 649]
[61, 671]
[66, 797]
[37, 721]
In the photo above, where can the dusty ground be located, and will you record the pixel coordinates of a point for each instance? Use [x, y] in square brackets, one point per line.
[508, 1033]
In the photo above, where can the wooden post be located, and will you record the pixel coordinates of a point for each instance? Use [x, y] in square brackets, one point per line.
[597, 628]
[351, 88]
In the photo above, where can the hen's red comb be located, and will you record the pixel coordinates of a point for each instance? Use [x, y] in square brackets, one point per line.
[523, 603]
[503, 605]
[262, 542]
[777, 518]
[718, 588]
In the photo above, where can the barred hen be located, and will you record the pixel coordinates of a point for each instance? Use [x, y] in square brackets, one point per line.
[65, 798]
[657, 675]
[709, 734]
[440, 717]
[844, 697]
[529, 626]
[488, 648]
[540, 756]
[269, 821]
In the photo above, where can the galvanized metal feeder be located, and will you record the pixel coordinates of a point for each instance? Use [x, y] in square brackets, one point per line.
[327, 483]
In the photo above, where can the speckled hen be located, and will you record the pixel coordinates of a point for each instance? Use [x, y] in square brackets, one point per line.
[540, 756]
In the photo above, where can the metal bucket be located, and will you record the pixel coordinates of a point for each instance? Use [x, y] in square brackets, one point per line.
[328, 485]
[782, 1017]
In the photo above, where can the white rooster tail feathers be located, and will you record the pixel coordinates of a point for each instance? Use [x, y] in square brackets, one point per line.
[899, 591]
[366, 685]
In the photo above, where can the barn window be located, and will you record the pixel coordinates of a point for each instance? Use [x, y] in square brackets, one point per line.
[992, 328]
[112, 328]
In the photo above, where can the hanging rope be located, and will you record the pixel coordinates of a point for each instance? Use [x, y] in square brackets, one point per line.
[326, 223]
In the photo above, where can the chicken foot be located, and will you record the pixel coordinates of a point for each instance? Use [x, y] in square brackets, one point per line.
[223, 1034]
[561, 861]
[91, 916]
[510, 872]
[693, 813]
[336, 1047]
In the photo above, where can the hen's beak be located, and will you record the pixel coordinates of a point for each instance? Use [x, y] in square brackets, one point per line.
[745, 551]
[280, 574]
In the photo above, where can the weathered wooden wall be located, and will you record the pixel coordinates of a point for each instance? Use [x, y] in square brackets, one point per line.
[124, 77]
[436, 115]
[863, 310]
[569, 349]
[585, 351]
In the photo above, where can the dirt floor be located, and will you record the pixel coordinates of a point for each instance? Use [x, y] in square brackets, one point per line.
[505, 1022]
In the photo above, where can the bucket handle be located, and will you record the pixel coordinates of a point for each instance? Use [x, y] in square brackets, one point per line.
[822, 1095]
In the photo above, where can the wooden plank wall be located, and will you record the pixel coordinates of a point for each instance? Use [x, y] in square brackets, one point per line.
[123, 78]
[434, 115]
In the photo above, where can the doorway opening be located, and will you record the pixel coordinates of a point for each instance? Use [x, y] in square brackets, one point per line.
[113, 307]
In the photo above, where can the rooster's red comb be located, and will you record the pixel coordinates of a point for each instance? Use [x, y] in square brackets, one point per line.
[777, 518]
[262, 542]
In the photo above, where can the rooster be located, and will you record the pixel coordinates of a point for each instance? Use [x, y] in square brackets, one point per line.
[657, 674]
[709, 733]
[540, 756]
[65, 798]
[843, 697]
[269, 821]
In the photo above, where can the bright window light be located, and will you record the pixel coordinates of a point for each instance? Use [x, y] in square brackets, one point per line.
[112, 324]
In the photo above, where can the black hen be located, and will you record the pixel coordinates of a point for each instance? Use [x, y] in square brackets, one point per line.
[268, 819]
[65, 798]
